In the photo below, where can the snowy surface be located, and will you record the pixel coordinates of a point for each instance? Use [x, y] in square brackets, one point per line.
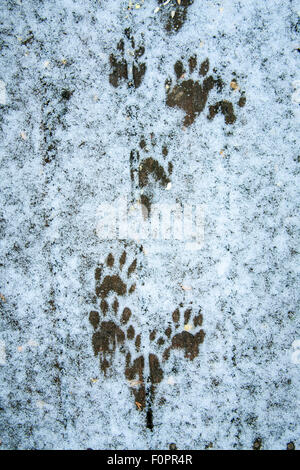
[244, 384]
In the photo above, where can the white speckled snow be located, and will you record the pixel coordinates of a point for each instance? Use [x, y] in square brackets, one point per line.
[68, 136]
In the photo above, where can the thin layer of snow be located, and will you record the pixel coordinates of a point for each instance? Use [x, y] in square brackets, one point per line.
[244, 383]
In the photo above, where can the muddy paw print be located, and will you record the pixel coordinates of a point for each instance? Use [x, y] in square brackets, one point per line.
[226, 107]
[134, 373]
[109, 335]
[114, 278]
[142, 386]
[112, 327]
[174, 13]
[191, 96]
[120, 70]
[188, 339]
[147, 172]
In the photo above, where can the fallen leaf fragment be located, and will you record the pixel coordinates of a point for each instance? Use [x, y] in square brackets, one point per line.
[184, 287]
[234, 85]
[2, 298]
[188, 327]
[139, 405]
[134, 383]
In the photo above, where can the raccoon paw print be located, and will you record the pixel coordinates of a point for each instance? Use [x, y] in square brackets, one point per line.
[134, 369]
[112, 333]
[119, 64]
[134, 373]
[188, 339]
[226, 107]
[109, 279]
[174, 13]
[146, 172]
[189, 94]
[156, 372]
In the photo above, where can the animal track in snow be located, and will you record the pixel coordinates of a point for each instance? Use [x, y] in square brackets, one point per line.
[149, 168]
[120, 70]
[174, 13]
[190, 93]
[111, 326]
[185, 339]
[115, 330]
